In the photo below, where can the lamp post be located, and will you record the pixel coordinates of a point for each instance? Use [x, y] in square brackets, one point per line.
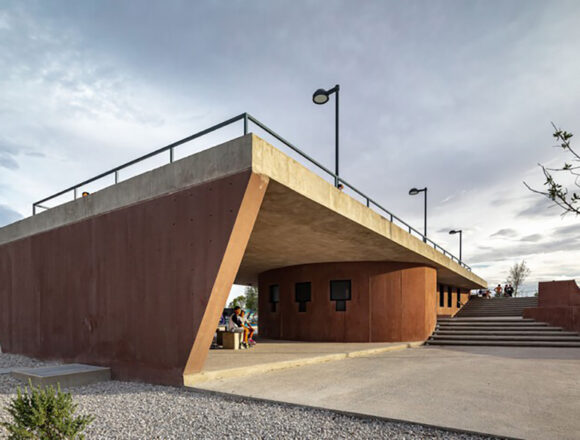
[320, 97]
[414, 192]
[460, 232]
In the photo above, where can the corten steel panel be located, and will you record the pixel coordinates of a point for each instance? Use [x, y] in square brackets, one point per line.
[558, 304]
[126, 289]
[386, 306]
[431, 303]
[228, 268]
[414, 294]
[389, 303]
[386, 299]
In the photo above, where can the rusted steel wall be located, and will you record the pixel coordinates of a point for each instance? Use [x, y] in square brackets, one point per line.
[389, 302]
[126, 289]
[558, 304]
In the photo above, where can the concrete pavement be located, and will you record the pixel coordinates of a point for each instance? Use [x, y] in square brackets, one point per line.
[272, 355]
[531, 393]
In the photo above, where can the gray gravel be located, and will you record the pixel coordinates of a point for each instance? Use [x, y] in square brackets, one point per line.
[130, 410]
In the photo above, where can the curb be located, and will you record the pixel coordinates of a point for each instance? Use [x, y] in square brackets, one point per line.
[194, 379]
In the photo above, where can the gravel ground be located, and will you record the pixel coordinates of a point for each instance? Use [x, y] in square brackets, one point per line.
[130, 410]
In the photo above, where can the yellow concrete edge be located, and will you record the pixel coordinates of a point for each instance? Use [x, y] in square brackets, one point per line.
[190, 380]
[273, 163]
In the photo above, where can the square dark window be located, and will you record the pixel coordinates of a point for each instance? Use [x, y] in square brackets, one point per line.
[302, 292]
[274, 297]
[302, 295]
[341, 306]
[274, 293]
[340, 290]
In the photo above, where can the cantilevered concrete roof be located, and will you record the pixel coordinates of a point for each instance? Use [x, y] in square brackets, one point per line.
[303, 218]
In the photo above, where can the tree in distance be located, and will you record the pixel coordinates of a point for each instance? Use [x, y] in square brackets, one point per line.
[249, 300]
[238, 301]
[517, 275]
[563, 194]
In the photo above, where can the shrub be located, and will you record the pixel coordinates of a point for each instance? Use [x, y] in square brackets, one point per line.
[45, 414]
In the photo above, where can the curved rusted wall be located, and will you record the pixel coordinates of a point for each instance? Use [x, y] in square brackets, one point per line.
[389, 302]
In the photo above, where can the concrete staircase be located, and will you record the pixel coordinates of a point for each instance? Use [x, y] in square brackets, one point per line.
[494, 307]
[499, 322]
[502, 331]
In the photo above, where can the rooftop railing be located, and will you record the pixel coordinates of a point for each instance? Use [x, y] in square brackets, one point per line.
[247, 119]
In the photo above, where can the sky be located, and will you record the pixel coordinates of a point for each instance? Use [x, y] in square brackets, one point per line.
[457, 96]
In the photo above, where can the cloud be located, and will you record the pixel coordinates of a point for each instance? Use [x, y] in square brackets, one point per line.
[523, 249]
[8, 215]
[9, 150]
[506, 232]
[8, 161]
[532, 237]
[540, 207]
[567, 231]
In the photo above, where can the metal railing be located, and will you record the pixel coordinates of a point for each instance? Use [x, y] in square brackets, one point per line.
[247, 118]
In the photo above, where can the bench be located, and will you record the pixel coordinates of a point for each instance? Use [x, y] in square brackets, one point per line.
[229, 340]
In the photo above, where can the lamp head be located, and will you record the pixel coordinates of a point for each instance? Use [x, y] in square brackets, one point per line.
[320, 97]
[413, 191]
[454, 232]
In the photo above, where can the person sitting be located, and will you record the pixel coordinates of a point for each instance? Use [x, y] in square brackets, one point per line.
[248, 327]
[235, 325]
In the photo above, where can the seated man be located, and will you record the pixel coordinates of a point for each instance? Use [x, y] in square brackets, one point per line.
[248, 327]
[235, 325]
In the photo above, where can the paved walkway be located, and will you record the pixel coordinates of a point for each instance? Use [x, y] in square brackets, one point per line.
[271, 355]
[531, 393]
[276, 351]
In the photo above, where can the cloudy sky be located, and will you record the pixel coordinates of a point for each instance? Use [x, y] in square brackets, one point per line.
[453, 95]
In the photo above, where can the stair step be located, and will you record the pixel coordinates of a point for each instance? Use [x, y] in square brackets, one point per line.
[479, 321]
[487, 318]
[574, 338]
[499, 329]
[498, 309]
[481, 307]
[493, 323]
[509, 332]
[499, 312]
[505, 343]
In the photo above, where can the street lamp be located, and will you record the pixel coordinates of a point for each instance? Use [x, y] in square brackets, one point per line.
[460, 232]
[414, 192]
[320, 97]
